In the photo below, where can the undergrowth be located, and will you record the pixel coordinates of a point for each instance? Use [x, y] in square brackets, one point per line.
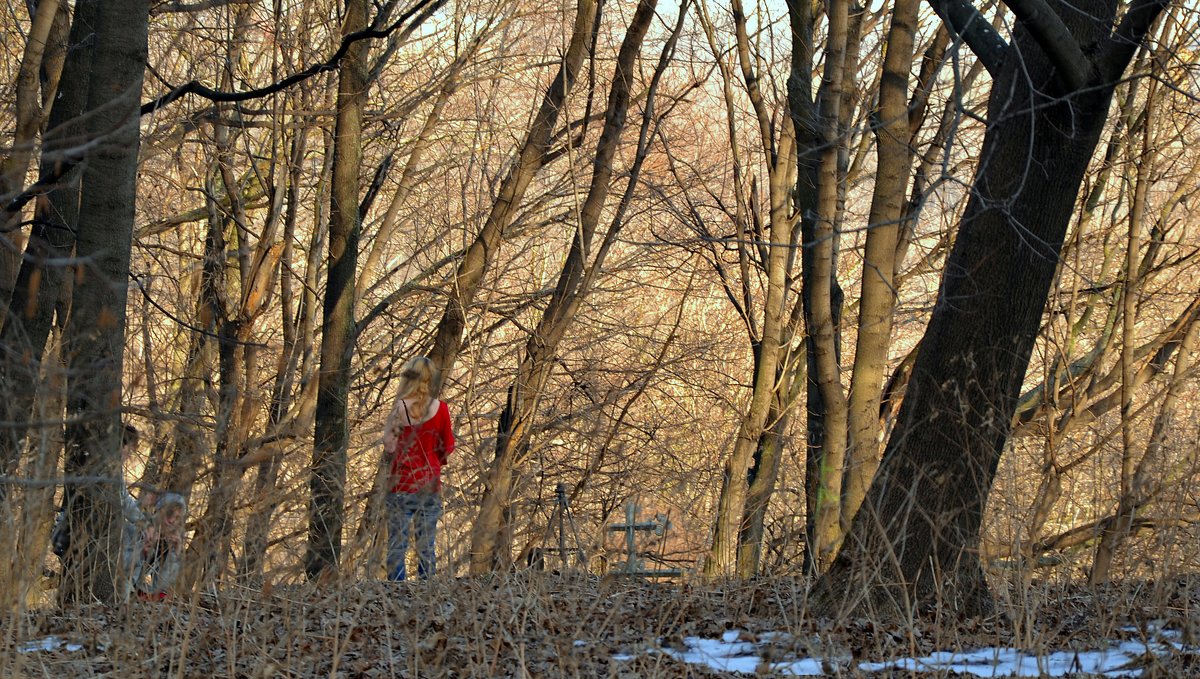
[545, 625]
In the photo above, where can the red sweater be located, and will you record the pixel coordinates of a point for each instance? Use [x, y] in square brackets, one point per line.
[421, 450]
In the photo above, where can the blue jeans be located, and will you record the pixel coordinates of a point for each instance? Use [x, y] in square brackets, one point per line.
[419, 512]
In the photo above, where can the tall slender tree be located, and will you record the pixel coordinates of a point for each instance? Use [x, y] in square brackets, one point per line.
[491, 543]
[328, 483]
[529, 160]
[775, 254]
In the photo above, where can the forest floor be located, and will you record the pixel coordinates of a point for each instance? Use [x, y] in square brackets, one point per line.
[544, 625]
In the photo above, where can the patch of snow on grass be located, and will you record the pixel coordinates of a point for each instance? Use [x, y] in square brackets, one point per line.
[50, 643]
[726, 654]
[623, 657]
[806, 667]
[1121, 659]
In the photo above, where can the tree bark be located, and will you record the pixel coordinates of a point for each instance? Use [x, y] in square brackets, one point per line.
[805, 120]
[233, 320]
[914, 544]
[95, 339]
[764, 470]
[28, 120]
[254, 549]
[1130, 490]
[327, 510]
[1116, 531]
[878, 300]
[827, 406]
[31, 307]
[776, 257]
[28, 103]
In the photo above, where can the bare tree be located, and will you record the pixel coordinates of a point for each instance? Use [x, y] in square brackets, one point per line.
[916, 541]
[775, 254]
[40, 69]
[38, 284]
[337, 326]
[491, 544]
[530, 158]
[96, 332]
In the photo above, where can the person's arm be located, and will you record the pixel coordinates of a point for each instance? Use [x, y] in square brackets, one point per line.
[133, 510]
[391, 429]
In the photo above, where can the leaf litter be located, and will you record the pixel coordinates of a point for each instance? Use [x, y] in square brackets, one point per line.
[543, 625]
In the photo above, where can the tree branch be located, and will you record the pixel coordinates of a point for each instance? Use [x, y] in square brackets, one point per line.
[1051, 34]
[195, 87]
[47, 182]
[1081, 535]
[962, 17]
[376, 184]
[179, 7]
[1130, 34]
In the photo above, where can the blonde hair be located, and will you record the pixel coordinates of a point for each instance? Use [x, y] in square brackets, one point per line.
[416, 383]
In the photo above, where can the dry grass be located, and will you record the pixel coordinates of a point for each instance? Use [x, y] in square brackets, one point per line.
[542, 625]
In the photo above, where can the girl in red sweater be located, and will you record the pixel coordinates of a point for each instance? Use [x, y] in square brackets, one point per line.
[419, 438]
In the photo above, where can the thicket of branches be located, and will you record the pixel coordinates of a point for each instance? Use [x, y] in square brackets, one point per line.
[681, 254]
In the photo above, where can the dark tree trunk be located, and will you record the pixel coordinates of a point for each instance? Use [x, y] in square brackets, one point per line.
[914, 545]
[39, 280]
[95, 340]
[805, 118]
[327, 511]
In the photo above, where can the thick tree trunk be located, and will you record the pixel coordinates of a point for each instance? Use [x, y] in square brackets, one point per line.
[914, 544]
[327, 510]
[95, 340]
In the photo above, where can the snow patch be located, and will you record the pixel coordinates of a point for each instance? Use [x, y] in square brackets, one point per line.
[807, 667]
[1119, 661]
[51, 643]
[731, 653]
[726, 654]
